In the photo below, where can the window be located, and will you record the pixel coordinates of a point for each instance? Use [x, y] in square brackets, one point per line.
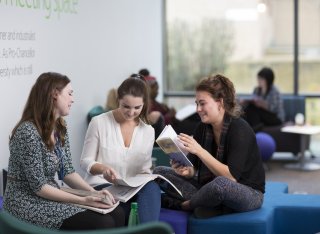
[309, 57]
[237, 38]
[309, 47]
[233, 37]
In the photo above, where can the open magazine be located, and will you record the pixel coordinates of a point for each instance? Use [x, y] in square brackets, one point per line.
[169, 143]
[122, 191]
[83, 193]
[127, 188]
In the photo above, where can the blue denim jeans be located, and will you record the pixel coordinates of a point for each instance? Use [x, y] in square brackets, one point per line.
[148, 199]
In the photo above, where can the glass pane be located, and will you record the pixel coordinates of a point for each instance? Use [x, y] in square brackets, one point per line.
[312, 111]
[309, 47]
[233, 37]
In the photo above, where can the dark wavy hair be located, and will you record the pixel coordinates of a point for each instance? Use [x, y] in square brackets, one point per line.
[220, 87]
[267, 74]
[40, 108]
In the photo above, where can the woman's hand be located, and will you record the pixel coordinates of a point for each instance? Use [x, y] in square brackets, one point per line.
[108, 197]
[182, 170]
[190, 144]
[95, 202]
[109, 174]
[106, 201]
[259, 102]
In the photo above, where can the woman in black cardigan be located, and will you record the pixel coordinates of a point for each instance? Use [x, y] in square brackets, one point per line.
[227, 172]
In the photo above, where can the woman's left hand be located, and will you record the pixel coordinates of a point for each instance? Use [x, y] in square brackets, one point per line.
[109, 199]
[190, 144]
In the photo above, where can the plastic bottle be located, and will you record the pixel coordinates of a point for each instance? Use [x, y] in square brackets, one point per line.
[133, 216]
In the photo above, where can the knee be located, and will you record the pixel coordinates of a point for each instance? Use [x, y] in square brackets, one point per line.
[152, 187]
[220, 181]
[160, 170]
[149, 194]
[150, 191]
[119, 215]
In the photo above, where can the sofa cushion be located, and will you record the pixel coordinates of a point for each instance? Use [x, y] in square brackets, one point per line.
[257, 221]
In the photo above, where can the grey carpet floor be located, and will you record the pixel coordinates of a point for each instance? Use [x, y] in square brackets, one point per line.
[302, 182]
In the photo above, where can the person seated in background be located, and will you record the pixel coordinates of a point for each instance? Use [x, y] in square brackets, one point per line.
[266, 106]
[169, 114]
[111, 102]
[227, 173]
[119, 143]
[39, 149]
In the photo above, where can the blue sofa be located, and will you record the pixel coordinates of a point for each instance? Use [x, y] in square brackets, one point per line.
[281, 213]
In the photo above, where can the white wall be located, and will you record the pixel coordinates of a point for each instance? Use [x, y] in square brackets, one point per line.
[96, 44]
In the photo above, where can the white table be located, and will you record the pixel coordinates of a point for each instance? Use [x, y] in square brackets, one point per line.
[306, 131]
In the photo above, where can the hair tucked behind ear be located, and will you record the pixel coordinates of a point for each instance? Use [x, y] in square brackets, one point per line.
[220, 87]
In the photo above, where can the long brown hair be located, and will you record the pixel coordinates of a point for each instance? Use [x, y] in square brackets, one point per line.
[220, 87]
[39, 108]
[137, 88]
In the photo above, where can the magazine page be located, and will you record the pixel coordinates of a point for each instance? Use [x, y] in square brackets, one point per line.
[170, 148]
[124, 193]
[169, 143]
[169, 132]
[134, 181]
[164, 178]
[99, 210]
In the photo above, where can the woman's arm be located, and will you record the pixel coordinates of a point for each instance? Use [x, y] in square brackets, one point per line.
[108, 173]
[215, 166]
[74, 180]
[259, 102]
[51, 193]
[90, 147]
[274, 100]
[88, 160]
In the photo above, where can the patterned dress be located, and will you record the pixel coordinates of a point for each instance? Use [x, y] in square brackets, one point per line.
[32, 165]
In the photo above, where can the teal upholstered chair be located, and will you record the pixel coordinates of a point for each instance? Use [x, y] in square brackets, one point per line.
[162, 157]
[97, 110]
[10, 224]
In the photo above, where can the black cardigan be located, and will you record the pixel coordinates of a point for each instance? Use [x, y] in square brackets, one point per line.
[241, 154]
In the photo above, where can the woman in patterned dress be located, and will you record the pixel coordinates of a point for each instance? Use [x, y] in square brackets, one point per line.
[39, 147]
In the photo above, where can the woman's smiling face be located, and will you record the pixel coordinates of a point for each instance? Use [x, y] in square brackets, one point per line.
[130, 107]
[207, 107]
